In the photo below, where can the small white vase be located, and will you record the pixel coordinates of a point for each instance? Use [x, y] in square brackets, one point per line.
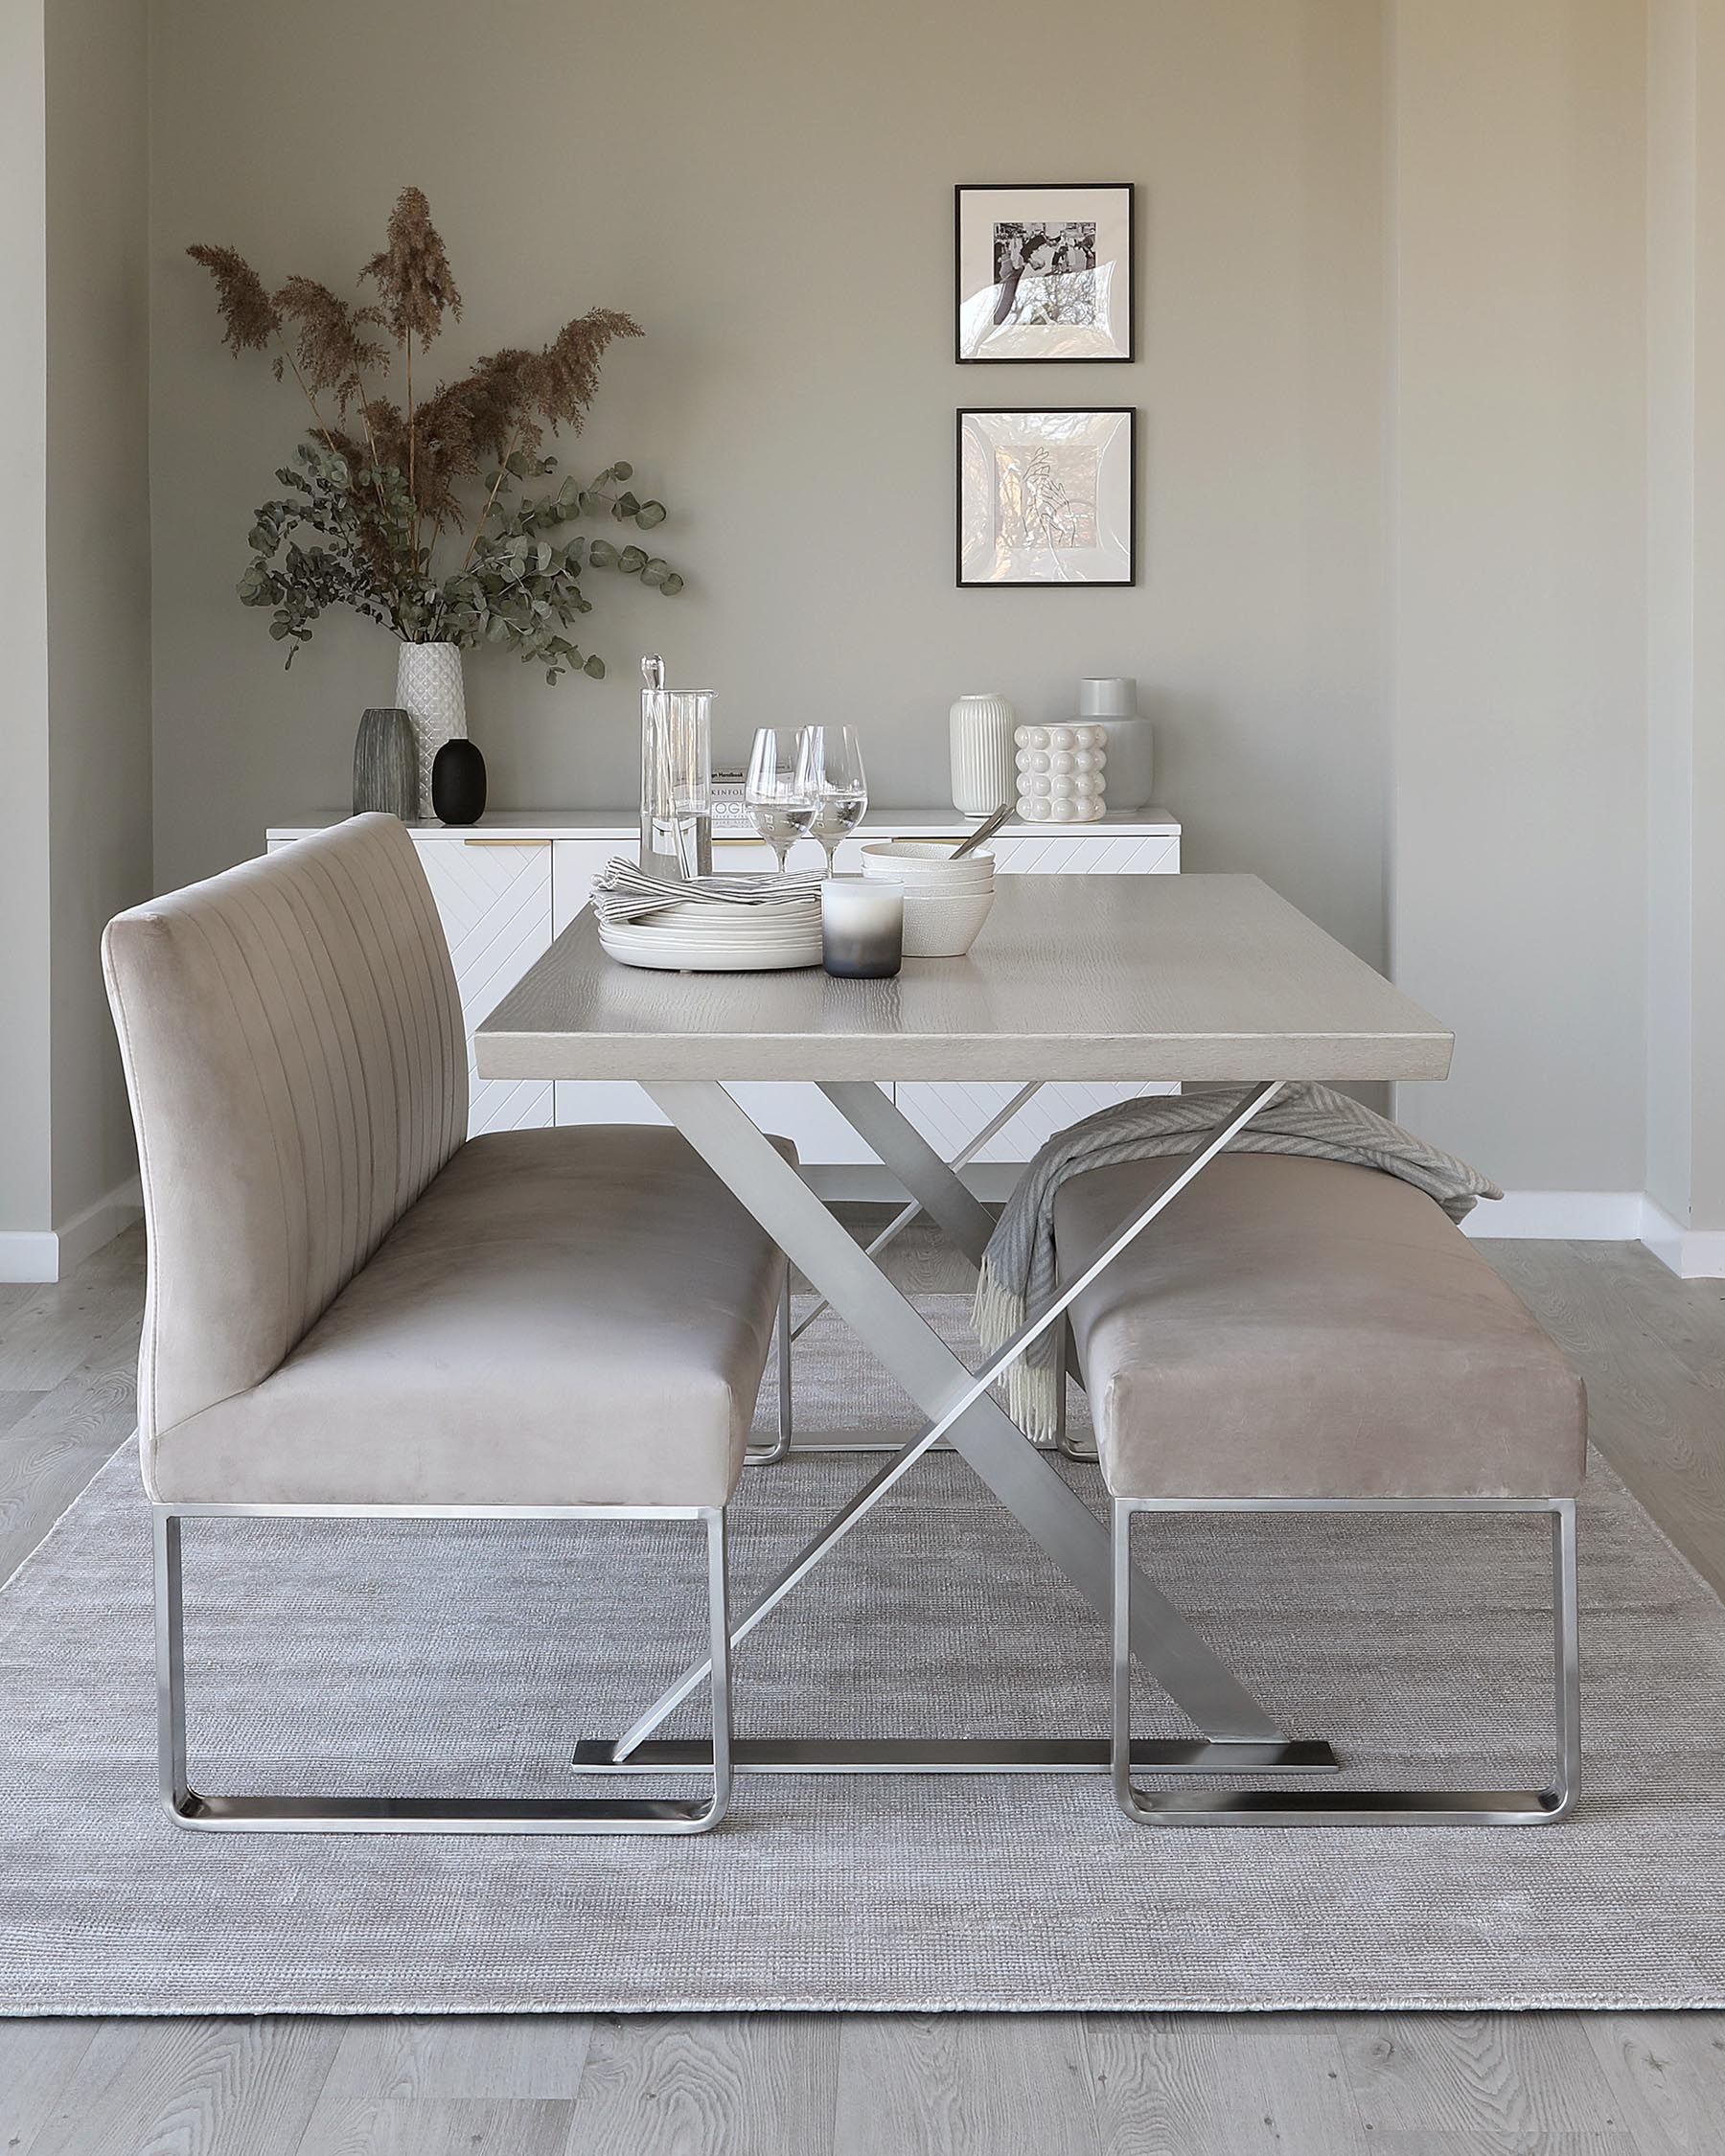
[428, 689]
[984, 770]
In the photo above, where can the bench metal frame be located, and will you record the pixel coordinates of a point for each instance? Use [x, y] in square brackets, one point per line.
[1354, 1807]
[310, 1813]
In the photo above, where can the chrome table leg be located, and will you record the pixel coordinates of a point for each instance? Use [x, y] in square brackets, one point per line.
[924, 1173]
[1020, 1476]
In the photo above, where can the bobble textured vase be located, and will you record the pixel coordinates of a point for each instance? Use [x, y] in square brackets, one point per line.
[428, 689]
[984, 768]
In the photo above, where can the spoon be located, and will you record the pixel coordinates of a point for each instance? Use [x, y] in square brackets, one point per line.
[984, 830]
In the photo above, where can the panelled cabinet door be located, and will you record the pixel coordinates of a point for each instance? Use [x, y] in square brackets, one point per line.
[494, 898]
[950, 1115]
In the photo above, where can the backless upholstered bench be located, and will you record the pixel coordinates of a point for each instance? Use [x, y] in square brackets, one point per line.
[355, 1310]
[1300, 1336]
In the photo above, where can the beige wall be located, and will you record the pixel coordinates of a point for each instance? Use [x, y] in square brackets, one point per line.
[1671, 388]
[1707, 805]
[1517, 460]
[769, 189]
[1686, 637]
[99, 682]
[25, 1193]
[74, 567]
[1393, 385]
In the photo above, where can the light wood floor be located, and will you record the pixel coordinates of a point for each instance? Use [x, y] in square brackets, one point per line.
[1653, 1352]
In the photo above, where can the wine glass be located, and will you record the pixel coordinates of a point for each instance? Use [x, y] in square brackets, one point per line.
[780, 805]
[829, 764]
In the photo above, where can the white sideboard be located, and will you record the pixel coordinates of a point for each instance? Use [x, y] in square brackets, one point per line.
[507, 886]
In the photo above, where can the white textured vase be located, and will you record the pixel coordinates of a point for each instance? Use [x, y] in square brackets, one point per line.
[428, 689]
[984, 766]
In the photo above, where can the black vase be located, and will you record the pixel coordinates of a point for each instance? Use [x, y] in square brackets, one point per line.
[458, 781]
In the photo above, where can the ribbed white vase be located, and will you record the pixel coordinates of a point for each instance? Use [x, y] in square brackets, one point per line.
[428, 689]
[985, 767]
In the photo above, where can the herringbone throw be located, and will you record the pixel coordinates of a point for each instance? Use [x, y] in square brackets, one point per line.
[1019, 1273]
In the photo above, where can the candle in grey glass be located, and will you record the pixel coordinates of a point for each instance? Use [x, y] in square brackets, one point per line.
[861, 927]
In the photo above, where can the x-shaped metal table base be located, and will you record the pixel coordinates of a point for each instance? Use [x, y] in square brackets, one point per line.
[1237, 1735]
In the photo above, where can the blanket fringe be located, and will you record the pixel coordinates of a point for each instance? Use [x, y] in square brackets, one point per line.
[1032, 1390]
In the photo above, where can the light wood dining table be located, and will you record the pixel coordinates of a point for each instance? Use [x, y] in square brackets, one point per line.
[1190, 978]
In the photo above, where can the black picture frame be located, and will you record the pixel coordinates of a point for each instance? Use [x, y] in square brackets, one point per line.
[1125, 358]
[1129, 412]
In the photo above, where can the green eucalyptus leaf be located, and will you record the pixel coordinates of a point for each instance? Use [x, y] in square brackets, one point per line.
[632, 559]
[622, 470]
[649, 513]
[672, 585]
[594, 667]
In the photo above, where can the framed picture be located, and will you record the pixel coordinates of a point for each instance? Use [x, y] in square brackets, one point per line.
[1044, 272]
[1050, 496]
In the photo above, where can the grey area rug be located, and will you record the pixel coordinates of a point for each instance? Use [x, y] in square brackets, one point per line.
[467, 1658]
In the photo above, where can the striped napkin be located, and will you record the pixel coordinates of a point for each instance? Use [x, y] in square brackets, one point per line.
[624, 892]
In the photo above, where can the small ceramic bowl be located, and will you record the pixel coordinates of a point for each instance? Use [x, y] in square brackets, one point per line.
[920, 864]
[944, 924]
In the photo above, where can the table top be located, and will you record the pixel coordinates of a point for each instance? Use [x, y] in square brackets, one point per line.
[1131, 978]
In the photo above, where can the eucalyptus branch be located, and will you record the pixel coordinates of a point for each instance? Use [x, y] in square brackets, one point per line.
[484, 515]
[364, 514]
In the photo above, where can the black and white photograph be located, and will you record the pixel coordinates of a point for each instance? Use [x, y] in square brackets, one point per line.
[1044, 273]
[1047, 497]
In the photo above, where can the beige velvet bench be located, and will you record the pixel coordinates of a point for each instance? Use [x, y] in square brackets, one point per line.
[355, 1310]
[1301, 1336]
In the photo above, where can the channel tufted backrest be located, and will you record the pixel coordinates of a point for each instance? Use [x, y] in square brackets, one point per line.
[293, 1047]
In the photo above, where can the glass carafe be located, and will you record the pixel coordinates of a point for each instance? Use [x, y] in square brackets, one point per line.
[677, 777]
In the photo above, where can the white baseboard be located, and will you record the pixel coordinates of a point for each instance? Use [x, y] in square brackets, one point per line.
[28, 1253]
[1519, 1216]
[1568, 1216]
[43, 1254]
[1692, 1253]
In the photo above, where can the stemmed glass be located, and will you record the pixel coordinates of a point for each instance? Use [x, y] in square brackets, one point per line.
[829, 766]
[780, 805]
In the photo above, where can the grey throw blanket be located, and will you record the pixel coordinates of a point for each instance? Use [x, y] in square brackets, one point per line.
[1019, 1275]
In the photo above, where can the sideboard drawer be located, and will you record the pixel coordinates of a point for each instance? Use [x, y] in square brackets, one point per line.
[1069, 852]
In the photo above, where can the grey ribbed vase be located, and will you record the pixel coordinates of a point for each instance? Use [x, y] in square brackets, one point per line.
[386, 764]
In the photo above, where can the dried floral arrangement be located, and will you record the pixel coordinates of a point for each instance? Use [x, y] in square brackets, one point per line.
[378, 486]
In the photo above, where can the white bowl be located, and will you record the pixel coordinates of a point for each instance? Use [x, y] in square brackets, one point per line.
[917, 863]
[944, 924]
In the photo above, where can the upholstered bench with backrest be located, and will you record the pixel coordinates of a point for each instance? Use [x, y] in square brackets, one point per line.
[355, 1308]
[1297, 1334]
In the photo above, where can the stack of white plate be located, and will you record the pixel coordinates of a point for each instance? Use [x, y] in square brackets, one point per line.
[692, 938]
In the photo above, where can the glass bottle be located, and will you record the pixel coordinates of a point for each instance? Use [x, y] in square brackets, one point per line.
[677, 777]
